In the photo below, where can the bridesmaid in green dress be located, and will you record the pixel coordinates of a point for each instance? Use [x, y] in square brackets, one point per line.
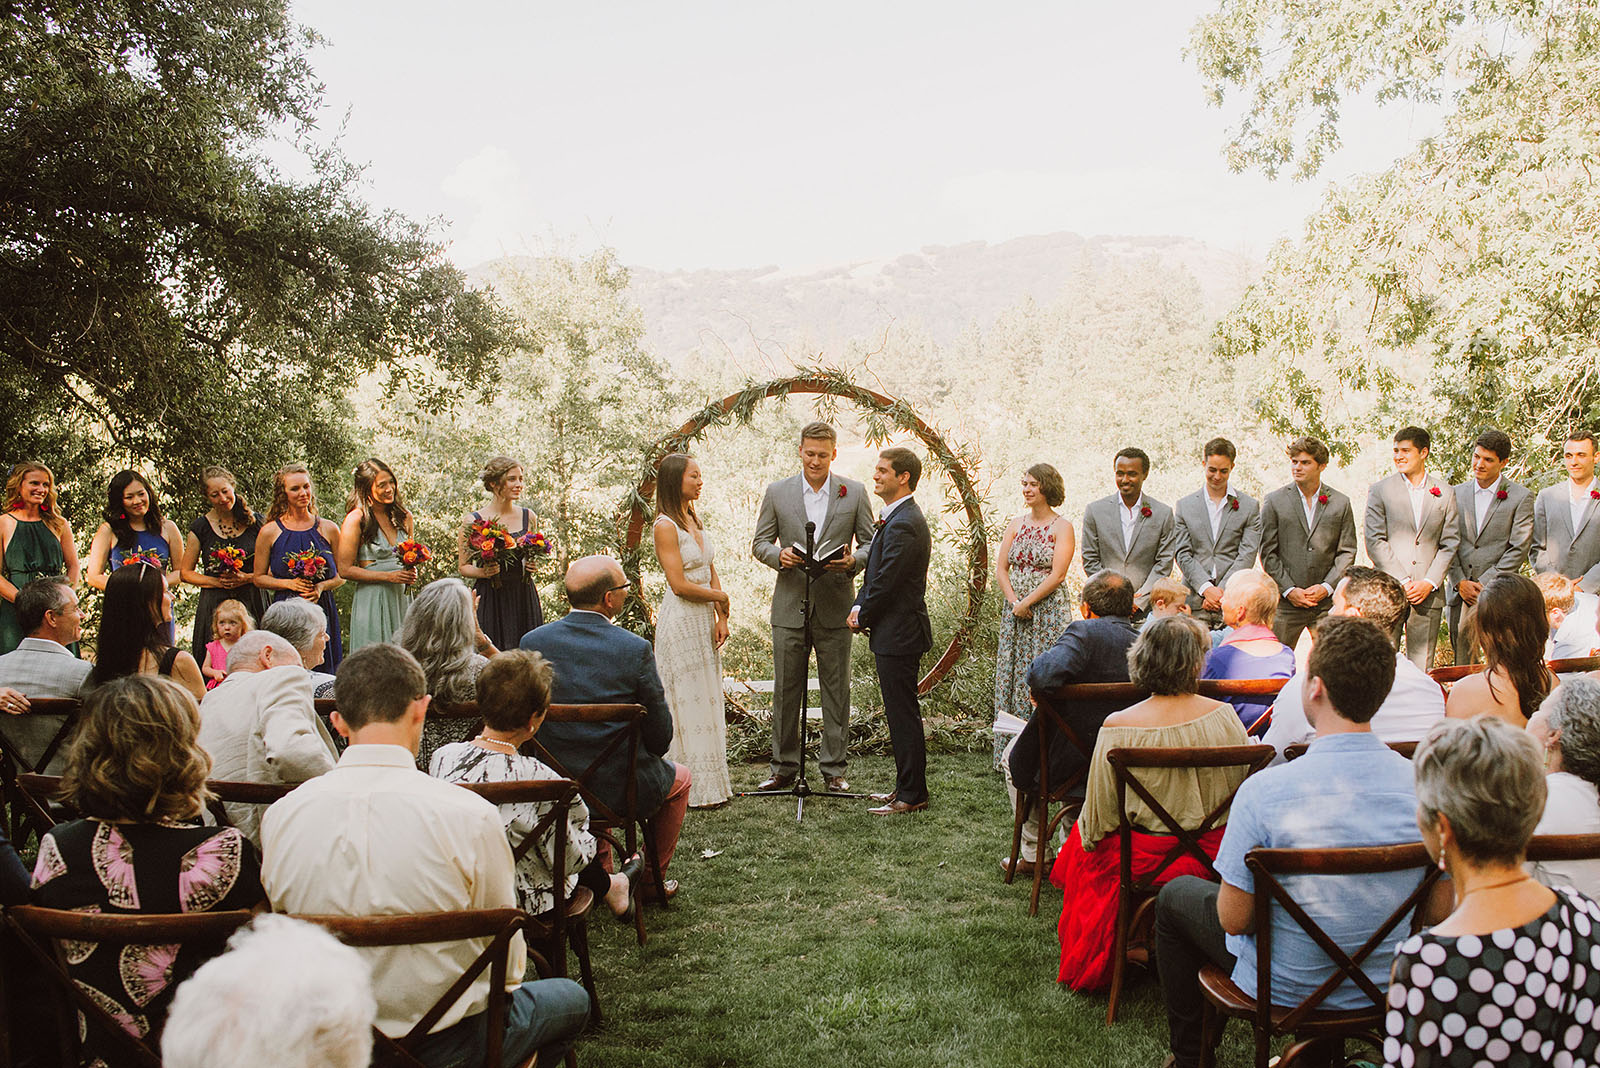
[377, 522]
[35, 541]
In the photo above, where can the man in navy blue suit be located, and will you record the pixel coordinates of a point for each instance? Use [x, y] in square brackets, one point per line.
[599, 663]
[892, 607]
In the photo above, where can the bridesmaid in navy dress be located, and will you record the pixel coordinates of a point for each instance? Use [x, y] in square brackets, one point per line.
[133, 522]
[508, 600]
[294, 526]
[231, 522]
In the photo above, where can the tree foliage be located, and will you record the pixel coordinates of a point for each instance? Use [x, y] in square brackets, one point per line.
[1458, 288]
[165, 292]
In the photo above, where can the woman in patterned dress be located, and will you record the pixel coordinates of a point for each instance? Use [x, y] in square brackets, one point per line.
[35, 541]
[690, 630]
[377, 521]
[1035, 552]
[137, 774]
[229, 522]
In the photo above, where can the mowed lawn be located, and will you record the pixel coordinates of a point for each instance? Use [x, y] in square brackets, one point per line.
[856, 941]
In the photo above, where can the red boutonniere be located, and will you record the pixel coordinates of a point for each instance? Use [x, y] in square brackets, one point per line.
[842, 488]
[1434, 491]
[1322, 498]
[1233, 503]
[877, 525]
[1144, 513]
[1501, 494]
[1595, 494]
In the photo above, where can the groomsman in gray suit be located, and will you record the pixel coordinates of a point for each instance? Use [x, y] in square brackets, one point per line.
[1496, 535]
[1308, 539]
[1130, 533]
[1566, 518]
[1412, 531]
[841, 508]
[1219, 533]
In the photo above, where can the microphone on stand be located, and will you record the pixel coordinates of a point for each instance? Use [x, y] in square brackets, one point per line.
[811, 533]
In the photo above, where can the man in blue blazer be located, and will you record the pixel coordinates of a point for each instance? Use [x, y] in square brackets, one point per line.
[892, 607]
[599, 663]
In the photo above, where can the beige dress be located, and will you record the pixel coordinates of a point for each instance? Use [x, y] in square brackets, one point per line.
[691, 673]
[1187, 793]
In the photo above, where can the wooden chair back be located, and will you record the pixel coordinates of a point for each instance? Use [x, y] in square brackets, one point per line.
[1134, 891]
[1547, 847]
[15, 758]
[40, 931]
[38, 792]
[1298, 749]
[1456, 672]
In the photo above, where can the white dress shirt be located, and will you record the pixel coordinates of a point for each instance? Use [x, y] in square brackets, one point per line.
[1418, 492]
[1214, 511]
[1483, 500]
[1415, 703]
[816, 501]
[1309, 504]
[377, 837]
[888, 508]
[1572, 806]
[1130, 519]
[1578, 500]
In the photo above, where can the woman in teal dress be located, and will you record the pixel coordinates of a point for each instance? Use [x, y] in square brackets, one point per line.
[293, 526]
[230, 522]
[35, 541]
[133, 523]
[377, 522]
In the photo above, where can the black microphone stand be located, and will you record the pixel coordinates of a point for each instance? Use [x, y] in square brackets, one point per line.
[802, 788]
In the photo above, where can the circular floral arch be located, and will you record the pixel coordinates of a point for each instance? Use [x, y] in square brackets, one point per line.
[885, 416]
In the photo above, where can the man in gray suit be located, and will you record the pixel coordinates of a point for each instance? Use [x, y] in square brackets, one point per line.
[1412, 530]
[1496, 534]
[41, 666]
[1219, 533]
[1566, 526]
[842, 511]
[1130, 533]
[1308, 538]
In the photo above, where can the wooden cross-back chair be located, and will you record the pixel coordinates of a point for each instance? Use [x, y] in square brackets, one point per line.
[497, 925]
[568, 920]
[1456, 672]
[42, 808]
[1307, 1021]
[1546, 847]
[54, 719]
[1298, 749]
[40, 932]
[1136, 894]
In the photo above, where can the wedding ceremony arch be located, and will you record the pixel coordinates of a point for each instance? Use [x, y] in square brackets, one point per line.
[885, 416]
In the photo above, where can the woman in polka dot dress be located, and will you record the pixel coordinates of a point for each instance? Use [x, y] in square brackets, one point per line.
[1512, 976]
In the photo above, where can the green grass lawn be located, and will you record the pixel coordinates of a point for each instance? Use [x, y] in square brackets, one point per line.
[856, 940]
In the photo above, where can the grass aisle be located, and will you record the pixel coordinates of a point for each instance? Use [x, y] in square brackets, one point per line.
[855, 941]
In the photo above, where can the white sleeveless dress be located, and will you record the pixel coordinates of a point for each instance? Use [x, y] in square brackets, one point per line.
[691, 670]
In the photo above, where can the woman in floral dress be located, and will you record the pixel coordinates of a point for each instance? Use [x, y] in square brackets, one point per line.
[1035, 552]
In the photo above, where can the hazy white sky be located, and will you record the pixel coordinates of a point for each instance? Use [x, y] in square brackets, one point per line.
[743, 134]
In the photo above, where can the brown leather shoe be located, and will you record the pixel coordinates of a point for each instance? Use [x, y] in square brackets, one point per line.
[1024, 866]
[838, 784]
[897, 808]
[890, 796]
[647, 892]
[777, 782]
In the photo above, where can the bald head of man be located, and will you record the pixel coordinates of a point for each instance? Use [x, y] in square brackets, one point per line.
[596, 583]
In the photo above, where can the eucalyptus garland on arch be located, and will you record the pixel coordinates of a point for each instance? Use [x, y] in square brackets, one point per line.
[885, 417]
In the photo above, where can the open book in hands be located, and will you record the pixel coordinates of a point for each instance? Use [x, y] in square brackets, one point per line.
[817, 562]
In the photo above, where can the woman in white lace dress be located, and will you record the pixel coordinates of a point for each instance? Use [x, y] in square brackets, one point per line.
[690, 630]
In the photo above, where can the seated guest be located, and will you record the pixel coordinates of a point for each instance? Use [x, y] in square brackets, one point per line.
[1524, 954]
[1415, 702]
[286, 994]
[1573, 614]
[138, 775]
[1251, 650]
[1166, 660]
[513, 696]
[1093, 648]
[598, 663]
[441, 631]
[1169, 597]
[42, 666]
[1512, 628]
[1567, 729]
[304, 626]
[136, 632]
[377, 837]
[260, 724]
[1348, 790]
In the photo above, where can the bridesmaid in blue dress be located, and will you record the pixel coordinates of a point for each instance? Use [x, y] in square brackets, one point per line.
[377, 522]
[508, 601]
[294, 526]
[134, 523]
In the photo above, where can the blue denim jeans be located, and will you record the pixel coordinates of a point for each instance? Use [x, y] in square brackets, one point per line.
[544, 1015]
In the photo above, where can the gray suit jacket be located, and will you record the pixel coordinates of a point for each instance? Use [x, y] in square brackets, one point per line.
[1557, 547]
[1205, 562]
[1501, 547]
[1395, 544]
[1147, 560]
[43, 669]
[1298, 557]
[781, 522]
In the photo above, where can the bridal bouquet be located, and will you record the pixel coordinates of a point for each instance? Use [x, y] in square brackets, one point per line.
[534, 543]
[306, 564]
[225, 560]
[412, 554]
[493, 544]
[147, 557]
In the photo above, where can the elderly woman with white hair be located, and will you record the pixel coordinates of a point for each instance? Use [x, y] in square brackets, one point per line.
[1567, 728]
[305, 626]
[441, 630]
[1508, 977]
[1251, 649]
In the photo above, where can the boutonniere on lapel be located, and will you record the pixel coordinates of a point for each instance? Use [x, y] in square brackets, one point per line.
[1233, 503]
[842, 489]
[1435, 491]
[878, 525]
[1594, 495]
[1322, 498]
[1501, 494]
[1145, 513]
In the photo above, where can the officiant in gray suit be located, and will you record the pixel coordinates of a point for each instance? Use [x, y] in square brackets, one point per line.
[1219, 533]
[1129, 533]
[1496, 535]
[841, 508]
[1566, 518]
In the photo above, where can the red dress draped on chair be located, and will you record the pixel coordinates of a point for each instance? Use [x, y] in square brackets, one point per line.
[1089, 908]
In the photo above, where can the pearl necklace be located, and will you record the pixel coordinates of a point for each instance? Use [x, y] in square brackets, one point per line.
[496, 741]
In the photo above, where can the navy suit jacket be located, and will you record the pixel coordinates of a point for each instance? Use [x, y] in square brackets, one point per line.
[894, 589]
[1089, 650]
[599, 663]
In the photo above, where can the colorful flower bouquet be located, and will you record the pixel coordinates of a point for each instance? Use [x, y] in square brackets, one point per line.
[308, 564]
[412, 554]
[534, 543]
[146, 557]
[492, 544]
[225, 560]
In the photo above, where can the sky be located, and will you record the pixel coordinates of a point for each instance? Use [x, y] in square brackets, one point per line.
[718, 135]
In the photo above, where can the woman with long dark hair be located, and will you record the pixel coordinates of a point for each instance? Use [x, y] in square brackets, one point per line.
[297, 552]
[690, 630]
[35, 541]
[219, 554]
[133, 524]
[135, 632]
[375, 523]
[508, 600]
[1513, 629]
